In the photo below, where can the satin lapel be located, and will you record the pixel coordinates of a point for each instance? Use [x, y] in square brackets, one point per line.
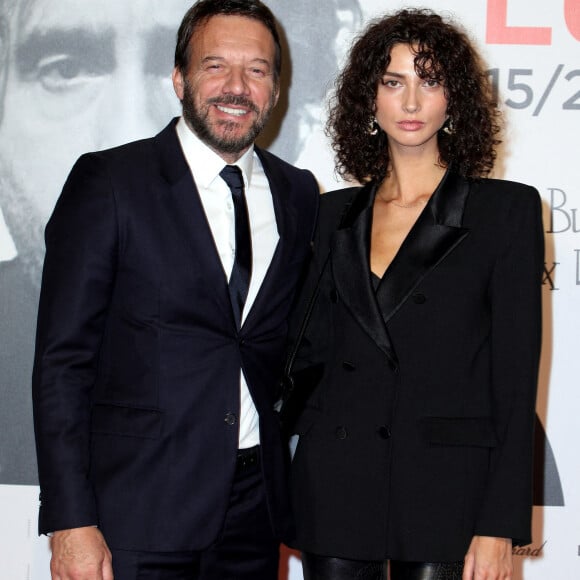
[351, 269]
[188, 217]
[286, 222]
[435, 234]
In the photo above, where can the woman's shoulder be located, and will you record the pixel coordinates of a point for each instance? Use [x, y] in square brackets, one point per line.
[503, 194]
[333, 204]
[340, 197]
[503, 188]
[502, 201]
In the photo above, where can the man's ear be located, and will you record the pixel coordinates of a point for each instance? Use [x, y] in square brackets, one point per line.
[178, 82]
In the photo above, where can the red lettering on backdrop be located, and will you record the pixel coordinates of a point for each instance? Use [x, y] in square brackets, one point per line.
[498, 32]
[572, 16]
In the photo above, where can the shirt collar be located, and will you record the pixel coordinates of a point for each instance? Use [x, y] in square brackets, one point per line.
[204, 163]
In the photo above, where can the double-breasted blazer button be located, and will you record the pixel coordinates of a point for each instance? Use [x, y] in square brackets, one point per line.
[419, 298]
[348, 366]
[334, 296]
[384, 432]
[230, 419]
[341, 432]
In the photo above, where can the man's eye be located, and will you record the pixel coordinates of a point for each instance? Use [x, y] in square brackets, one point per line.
[61, 71]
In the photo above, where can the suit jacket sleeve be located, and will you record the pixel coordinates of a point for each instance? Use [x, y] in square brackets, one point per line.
[516, 339]
[78, 276]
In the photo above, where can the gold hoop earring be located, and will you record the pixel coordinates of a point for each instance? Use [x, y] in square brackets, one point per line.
[373, 127]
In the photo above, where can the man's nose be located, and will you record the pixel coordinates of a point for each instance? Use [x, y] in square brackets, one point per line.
[236, 81]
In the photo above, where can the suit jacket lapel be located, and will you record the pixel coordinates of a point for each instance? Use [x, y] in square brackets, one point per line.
[188, 216]
[435, 234]
[351, 269]
[286, 222]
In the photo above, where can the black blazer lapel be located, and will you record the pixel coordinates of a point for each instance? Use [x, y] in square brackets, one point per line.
[188, 216]
[435, 234]
[349, 250]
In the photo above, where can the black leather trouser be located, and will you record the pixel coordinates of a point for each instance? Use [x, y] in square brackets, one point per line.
[323, 568]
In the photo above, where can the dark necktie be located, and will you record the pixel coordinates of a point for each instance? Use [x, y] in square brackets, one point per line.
[242, 270]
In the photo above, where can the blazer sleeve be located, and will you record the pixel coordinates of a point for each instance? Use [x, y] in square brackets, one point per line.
[78, 276]
[309, 319]
[516, 340]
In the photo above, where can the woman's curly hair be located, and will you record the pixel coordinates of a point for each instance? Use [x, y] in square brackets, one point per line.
[443, 52]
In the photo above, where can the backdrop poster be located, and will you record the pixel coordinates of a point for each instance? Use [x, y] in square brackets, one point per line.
[77, 75]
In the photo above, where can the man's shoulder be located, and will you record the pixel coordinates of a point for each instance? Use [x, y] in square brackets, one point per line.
[165, 137]
[140, 156]
[299, 185]
[273, 162]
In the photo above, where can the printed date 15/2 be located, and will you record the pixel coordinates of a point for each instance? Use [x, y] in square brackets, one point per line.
[518, 85]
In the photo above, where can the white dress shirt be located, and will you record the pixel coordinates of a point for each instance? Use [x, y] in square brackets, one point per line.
[216, 198]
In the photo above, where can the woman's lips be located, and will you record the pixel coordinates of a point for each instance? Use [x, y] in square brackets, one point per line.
[411, 125]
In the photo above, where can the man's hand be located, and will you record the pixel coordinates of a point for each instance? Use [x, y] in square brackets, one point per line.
[488, 559]
[80, 554]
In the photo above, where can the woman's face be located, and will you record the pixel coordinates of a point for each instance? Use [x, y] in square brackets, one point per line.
[409, 109]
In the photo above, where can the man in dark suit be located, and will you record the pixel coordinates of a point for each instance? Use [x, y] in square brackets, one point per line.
[52, 54]
[170, 268]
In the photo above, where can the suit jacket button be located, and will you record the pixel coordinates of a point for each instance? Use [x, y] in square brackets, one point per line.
[419, 298]
[384, 432]
[334, 296]
[230, 419]
[341, 433]
[348, 366]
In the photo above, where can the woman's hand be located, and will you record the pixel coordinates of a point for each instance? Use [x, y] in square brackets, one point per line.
[488, 558]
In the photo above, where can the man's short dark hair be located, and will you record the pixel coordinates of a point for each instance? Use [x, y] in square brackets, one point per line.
[203, 10]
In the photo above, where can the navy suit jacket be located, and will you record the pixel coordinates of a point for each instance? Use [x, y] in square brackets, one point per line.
[136, 379]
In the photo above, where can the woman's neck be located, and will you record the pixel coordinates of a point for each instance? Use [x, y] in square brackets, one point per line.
[410, 181]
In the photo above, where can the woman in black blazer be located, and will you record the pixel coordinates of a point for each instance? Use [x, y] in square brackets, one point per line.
[412, 384]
